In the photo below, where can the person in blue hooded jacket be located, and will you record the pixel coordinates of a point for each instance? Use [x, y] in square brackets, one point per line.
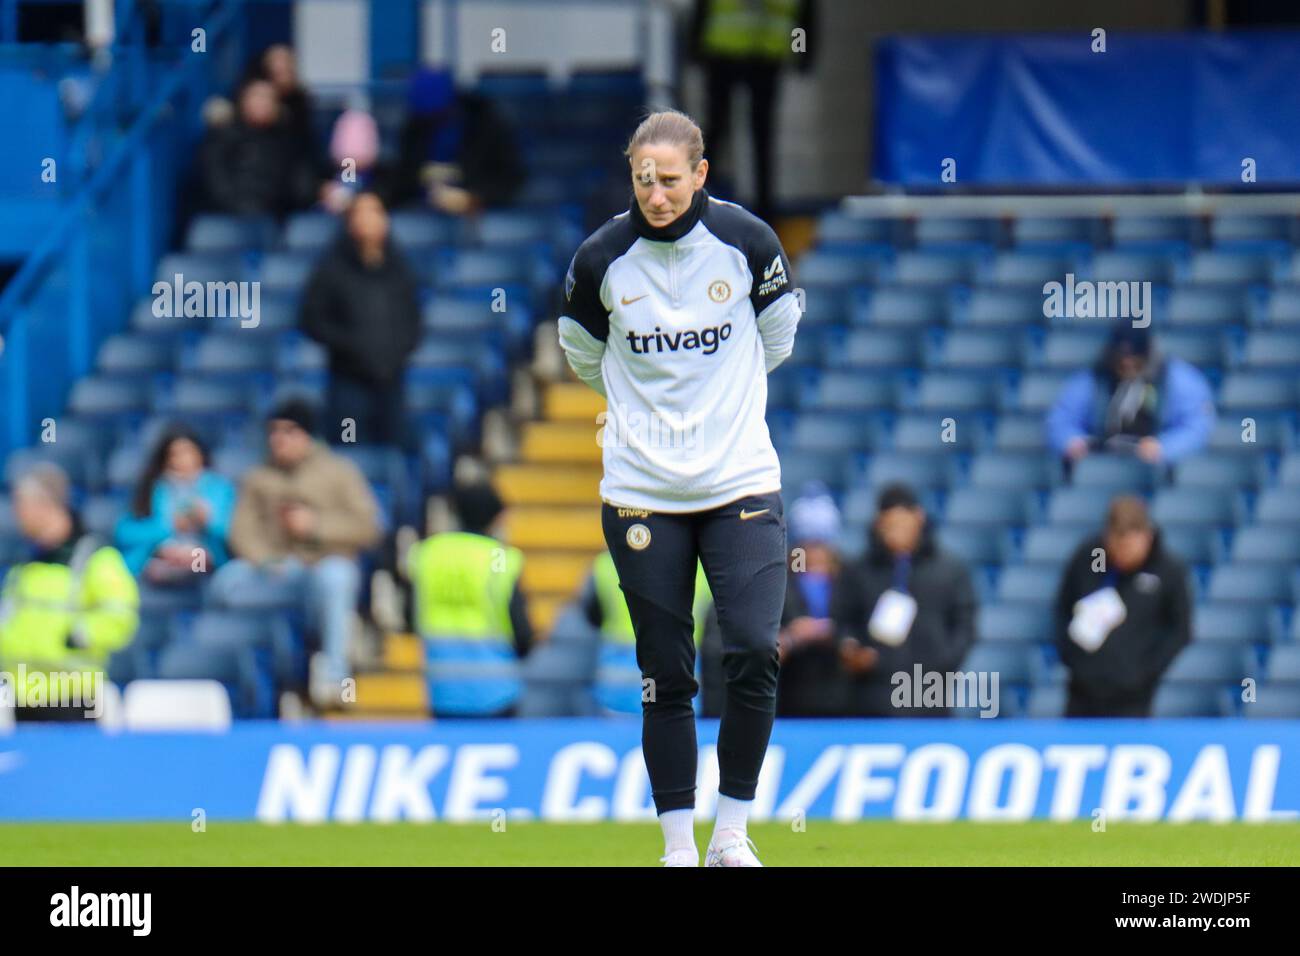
[1133, 401]
[175, 531]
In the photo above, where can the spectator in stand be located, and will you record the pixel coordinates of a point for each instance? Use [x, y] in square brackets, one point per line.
[301, 522]
[73, 602]
[253, 166]
[1123, 613]
[175, 532]
[278, 65]
[363, 304]
[471, 610]
[1133, 401]
[354, 148]
[457, 152]
[906, 603]
[813, 680]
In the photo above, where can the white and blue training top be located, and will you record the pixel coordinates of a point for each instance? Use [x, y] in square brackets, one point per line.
[678, 326]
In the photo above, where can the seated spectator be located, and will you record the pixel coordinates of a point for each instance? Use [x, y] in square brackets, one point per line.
[253, 166]
[1122, 615]
[363, 304]
[813, 680]
[906, 603]
[470, 610]
[278, 65]
[354, 149]
[1133, 401]
[180, 513]
[73, 602]
[300, 523]
[456, 151]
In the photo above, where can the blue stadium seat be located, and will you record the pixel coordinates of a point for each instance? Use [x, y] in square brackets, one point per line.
[145, 320]
[1049, 544]
[1206, 305]
[1034, 391]
[933, 267]
[125, 465]
[125, 354]
[837, 226]
[940, 230]
[974, 348]
[828, 433]
[1274, 702]
[1229, 266]
[1145, 228]
[101, 397]
[1282, 306]
[286, 272]
[1246, 227]
[900, 306]
[1266, 544]
[1046, 702]
[873, 348]
[823, 305]
[849, 391]
[925, 432]
[1203, 506]
[100, 514]
[1278, 506]
[1029, 268]
[311, 231]
[1270, 349]
[418, 231]
[1028, 584]
[215, 232]
[1129, 265]
[1001, 306]
[1009, 660]
[1019, 433]
[1016, 471]
[1072, 348]
[951, 392]
[984, 506]
[1230, 623]
[1207, 663]
[194, 396]
[1029, 230]
[826, 268]
[228, 354]
[1079, 506]
[1201, 347]
[1269, 431]
[1208, 470]
[199, 267]
[1288, 472]
[1116, 473]
[805, 466]
[83, 470]
[1192, 543]
[918, 471]
[1187, 700]
[1283, 664]
[1023, 622]
[974, 544]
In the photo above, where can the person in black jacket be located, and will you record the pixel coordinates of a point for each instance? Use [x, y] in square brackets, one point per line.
[362, 303]
[253, 166]
[906, 603]
[456, 151]
[1122, 615]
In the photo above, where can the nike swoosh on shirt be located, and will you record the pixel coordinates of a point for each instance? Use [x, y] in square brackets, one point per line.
[746, 515]
[626, 301]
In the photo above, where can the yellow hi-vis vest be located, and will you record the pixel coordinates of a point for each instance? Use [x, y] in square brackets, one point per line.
[43, 604]
[462, 586]
[749, 28]
[616, 621]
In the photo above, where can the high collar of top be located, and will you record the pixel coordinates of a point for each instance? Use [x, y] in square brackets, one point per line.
[675, 229]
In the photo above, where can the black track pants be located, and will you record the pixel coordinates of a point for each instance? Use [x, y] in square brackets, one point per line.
[742, 546]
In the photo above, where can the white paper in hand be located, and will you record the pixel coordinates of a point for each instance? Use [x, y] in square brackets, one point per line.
[1095, 616]
[892, 618]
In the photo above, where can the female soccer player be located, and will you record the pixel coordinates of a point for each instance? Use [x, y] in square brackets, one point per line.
[675, 311]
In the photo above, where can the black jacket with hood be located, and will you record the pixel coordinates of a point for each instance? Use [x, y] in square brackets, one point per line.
[941, 634]
[367, 318]
[1119, 678]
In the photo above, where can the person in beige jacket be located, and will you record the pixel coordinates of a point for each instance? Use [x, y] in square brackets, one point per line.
[300, 523]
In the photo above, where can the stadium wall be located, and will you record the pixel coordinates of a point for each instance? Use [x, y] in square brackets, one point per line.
[583, 770]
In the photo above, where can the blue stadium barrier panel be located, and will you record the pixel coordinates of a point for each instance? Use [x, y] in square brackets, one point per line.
[592, 770]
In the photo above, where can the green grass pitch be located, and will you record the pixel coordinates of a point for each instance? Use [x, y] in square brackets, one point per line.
[531, 843]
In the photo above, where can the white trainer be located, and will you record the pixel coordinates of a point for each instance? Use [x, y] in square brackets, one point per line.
[731, 848]
[681, 858]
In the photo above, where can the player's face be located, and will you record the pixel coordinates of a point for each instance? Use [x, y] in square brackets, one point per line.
[664, 182]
